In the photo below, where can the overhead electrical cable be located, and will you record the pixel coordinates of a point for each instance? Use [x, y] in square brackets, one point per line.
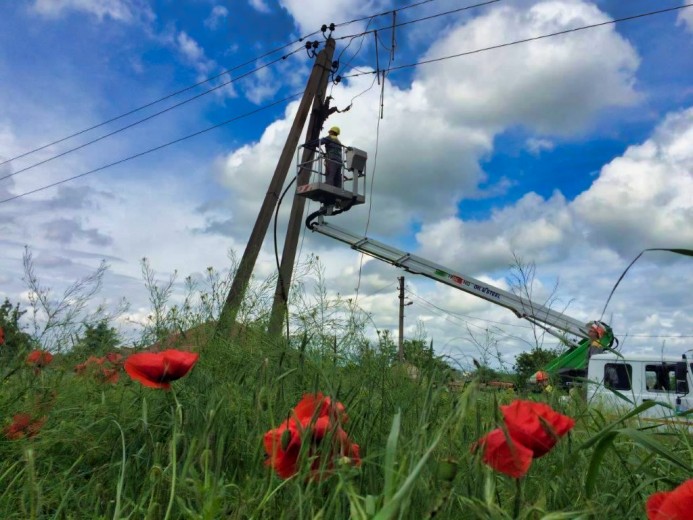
[152, 116]
[202, 82]
[400, 67]
[375, 164]
[140, 154]
[461, 316]
[525, 40]
[156, 101]
[403, 8]
[417, 20]
[449, 318]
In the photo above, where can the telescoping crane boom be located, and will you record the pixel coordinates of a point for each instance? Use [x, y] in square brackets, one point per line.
[590, 336]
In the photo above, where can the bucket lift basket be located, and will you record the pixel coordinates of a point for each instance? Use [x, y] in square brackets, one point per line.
[315, 187]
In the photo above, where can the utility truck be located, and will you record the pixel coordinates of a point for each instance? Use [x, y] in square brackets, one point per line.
[592, 358]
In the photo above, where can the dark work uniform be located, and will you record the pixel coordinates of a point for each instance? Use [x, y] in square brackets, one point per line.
[333, 160]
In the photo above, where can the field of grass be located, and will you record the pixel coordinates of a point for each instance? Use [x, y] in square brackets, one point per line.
[116, 449]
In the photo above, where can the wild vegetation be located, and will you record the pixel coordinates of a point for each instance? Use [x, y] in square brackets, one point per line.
[326, 425]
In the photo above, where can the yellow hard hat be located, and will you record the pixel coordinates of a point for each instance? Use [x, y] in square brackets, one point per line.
[334, 130]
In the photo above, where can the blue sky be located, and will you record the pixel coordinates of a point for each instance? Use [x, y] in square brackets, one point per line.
[572, 152]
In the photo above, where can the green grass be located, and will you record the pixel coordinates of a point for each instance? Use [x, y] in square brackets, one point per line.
[126, 451]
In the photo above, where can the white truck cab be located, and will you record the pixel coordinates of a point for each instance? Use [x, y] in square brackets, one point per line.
[642, 378]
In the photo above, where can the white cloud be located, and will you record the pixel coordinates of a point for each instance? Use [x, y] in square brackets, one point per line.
[310, 15]
[120, 10]
[216, 17]
[261, 86]
[686, 17]
[436, 130]
[643, 199]
[553, 86]
[259, 5]
[193, 52]
[536, 145]
[532, 228]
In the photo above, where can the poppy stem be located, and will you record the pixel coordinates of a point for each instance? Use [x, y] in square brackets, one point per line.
[518, 498]
[174, 462]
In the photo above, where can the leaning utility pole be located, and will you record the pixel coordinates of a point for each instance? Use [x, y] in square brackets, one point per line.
[400, 349]
[318, 76]
[318, 115]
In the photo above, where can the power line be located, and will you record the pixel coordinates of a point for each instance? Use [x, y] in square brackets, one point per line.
[156, 101]
[423, 19]
[155, 148]
[403, 8]
[460, 315]
[232, 80]
[375, 162]
[495, 330]
[534, 38]
[389, 69]
[152, 116]
[202, 82]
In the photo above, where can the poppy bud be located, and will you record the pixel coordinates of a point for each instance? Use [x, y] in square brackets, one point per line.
[446, 470]
[155, 473]
[262, 399]
[206, 457]
[286, 439]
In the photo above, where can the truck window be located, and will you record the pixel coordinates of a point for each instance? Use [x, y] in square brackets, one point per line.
[661, 378]
[618, 376]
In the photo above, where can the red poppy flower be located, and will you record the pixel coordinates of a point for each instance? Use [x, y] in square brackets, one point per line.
[23, 426]
[313, 406]
[316, 421]
[114, 358]
[283, 445]
[671, 505]
[158, 369]
[110, 375]
[91, 360]
[39, 358]
[2, 336]
[504, 454]
[535, 425]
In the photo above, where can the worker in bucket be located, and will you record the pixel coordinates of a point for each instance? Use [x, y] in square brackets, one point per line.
[333, 157]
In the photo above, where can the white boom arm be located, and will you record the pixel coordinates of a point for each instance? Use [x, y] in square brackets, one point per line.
[522, 307]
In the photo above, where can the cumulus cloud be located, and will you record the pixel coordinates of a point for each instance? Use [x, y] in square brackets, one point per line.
[643, 198]
[216, 17]
[532, 228]
[639, 200]
[553, 87]
[125, 11]
[436, 130]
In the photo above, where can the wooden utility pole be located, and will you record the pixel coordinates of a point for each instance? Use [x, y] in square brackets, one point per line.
[400, 350]
[317, 118]
[319, 74]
